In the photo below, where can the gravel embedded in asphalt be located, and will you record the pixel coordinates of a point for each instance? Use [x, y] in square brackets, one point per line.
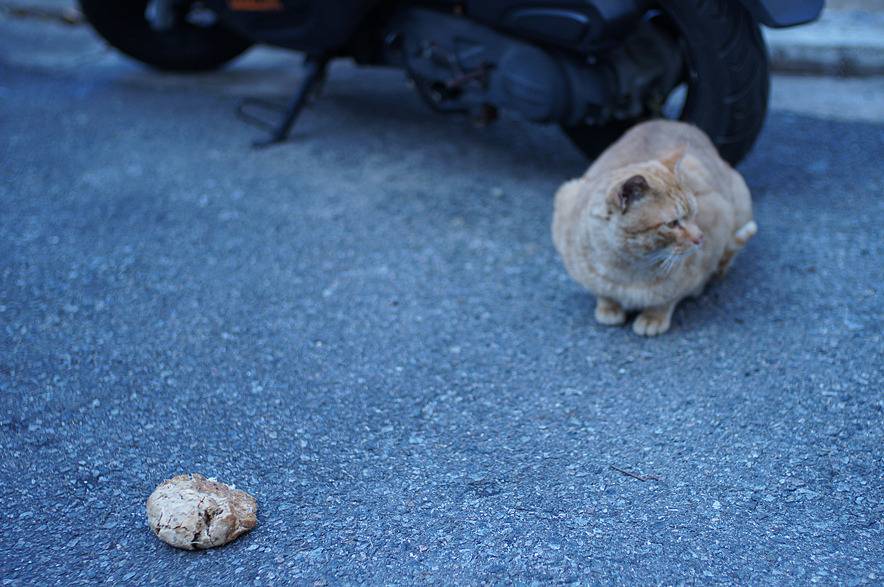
[368, 329]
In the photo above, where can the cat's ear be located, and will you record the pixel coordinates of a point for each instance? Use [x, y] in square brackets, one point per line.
[631, 191]
[673, 158]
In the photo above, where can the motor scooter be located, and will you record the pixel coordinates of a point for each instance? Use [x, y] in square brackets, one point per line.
[594, 67]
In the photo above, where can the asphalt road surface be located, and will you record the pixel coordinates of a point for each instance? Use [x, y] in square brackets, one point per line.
[368, 329]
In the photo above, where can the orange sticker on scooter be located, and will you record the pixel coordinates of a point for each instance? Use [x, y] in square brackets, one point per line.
[256, 5]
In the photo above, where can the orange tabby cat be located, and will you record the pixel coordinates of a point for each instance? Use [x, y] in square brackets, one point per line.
[654, 217]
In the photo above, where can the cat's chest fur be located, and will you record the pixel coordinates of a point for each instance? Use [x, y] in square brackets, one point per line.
[637, 287]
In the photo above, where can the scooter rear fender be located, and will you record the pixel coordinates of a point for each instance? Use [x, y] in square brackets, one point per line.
[784, 13]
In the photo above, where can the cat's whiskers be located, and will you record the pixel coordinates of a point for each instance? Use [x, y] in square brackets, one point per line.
[667, 263]
[666, 260]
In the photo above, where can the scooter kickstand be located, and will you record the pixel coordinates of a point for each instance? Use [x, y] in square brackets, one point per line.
[314, 74]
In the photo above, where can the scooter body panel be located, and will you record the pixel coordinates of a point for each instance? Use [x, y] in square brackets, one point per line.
[313, 26]
[784, 13]
[322, 26]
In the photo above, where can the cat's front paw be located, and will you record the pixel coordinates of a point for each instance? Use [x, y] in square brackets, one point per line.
[652, 321]
[609, 312]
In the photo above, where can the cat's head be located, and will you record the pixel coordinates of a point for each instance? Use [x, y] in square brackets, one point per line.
[651, 211]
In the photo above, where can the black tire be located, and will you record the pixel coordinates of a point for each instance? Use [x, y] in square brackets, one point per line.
[727, 79]
[186, 47]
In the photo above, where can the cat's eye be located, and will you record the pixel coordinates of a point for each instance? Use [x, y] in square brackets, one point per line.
[673, 224]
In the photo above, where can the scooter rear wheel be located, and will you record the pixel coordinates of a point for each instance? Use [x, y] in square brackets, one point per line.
[185, 46]
[727, 79]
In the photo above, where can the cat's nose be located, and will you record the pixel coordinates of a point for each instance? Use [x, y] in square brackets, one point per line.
[697, 239]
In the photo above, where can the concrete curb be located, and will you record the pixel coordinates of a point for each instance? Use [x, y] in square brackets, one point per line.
[847, 43]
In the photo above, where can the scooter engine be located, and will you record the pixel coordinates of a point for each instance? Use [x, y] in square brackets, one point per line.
[459, 65]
